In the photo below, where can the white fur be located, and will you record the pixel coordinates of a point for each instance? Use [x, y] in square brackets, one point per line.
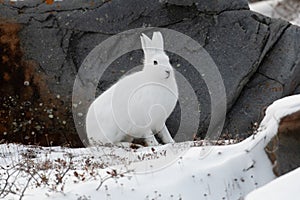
[138, 105]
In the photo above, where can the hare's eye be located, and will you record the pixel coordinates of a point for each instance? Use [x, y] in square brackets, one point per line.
[155, 62]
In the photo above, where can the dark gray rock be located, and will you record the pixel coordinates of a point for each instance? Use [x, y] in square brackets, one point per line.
[280, 70]
[257, 57]
[282, 64]
[252, 43]
[213, 6]
[258, 93]
[297, 91]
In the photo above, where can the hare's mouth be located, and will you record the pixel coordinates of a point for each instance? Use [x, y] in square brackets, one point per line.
[168, 74]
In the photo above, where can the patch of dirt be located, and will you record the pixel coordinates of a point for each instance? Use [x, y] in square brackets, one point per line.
[284, 149]
[290, 126]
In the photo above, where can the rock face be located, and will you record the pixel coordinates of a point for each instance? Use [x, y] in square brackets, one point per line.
[297, 91]
[257, 57]
[30, 112]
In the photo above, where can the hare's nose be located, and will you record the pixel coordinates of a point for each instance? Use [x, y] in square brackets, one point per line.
[168, 73]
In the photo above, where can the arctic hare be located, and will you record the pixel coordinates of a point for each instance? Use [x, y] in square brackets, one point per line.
[138, 105]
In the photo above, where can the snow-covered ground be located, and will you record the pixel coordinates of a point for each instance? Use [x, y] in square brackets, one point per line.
[188, 170]
[287, 10]
[284, 187]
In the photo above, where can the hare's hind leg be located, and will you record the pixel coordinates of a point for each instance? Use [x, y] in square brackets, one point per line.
[127, 138]
[165, 135]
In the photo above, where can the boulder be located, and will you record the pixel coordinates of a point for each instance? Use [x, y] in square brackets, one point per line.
[277, 76]
[257, 58]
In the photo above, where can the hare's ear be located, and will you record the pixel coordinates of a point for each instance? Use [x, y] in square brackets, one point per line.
[146, 42]
[157, 41]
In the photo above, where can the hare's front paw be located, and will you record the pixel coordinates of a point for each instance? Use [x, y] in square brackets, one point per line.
[165, 136]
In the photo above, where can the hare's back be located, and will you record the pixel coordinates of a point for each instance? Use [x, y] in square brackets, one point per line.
[99, 120]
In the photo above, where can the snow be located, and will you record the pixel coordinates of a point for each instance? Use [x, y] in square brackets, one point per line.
[284, 187]
[220, 174]
[288, 10]
[188, 170]
[264, 7]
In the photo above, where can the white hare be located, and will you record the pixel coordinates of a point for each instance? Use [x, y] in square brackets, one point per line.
[138, 105]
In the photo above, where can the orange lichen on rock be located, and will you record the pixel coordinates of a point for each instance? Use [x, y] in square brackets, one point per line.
[49, 2]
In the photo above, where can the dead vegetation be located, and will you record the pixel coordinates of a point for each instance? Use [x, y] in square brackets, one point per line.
[52, 169]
